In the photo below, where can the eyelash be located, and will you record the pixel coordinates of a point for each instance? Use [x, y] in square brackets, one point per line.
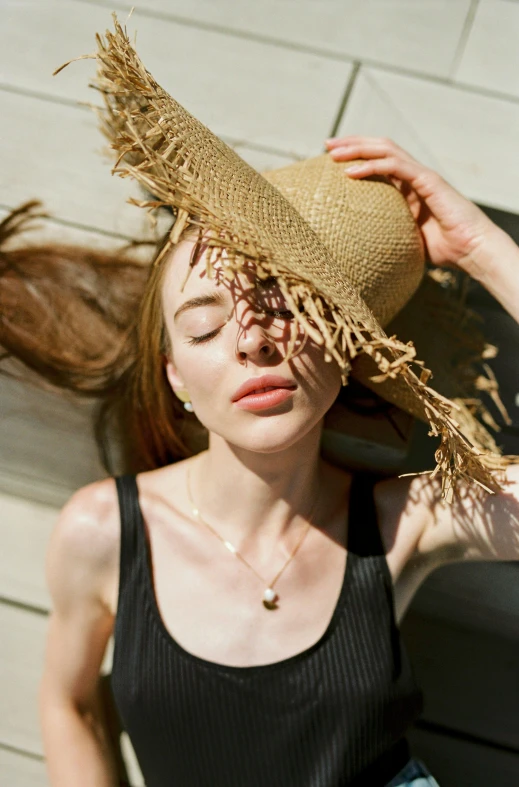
[285, 315]
[205, 338]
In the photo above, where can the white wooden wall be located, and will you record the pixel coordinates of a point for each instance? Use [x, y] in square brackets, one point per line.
[275, 78]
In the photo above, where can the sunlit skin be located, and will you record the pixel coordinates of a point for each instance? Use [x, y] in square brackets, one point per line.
[217, 347]
[271, 455]
[256, 484]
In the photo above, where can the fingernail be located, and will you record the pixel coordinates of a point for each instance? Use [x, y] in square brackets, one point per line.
[339, 151]
[355, 168]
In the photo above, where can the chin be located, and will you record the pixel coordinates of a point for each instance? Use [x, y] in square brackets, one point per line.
[270, 435]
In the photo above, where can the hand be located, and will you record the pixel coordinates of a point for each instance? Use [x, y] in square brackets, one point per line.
[455, 231]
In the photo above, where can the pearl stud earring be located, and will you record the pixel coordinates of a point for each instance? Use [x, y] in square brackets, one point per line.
[183, 395]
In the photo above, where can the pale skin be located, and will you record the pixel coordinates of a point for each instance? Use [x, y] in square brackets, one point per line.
[256, 485]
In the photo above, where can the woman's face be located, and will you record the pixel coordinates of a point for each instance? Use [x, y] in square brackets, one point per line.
[229, 343]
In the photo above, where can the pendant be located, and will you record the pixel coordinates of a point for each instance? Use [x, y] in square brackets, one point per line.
[269, 599]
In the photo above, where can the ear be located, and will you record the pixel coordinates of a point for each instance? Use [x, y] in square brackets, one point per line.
[174, 379]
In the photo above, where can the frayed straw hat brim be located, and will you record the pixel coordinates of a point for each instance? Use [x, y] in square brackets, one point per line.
[186, 167]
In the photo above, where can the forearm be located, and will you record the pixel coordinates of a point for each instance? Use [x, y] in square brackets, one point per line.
[77, 748]
[496, 266]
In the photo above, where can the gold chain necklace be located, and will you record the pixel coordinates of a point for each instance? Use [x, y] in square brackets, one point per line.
[270, 597]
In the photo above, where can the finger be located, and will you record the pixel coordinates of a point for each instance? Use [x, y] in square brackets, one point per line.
[421, 179]
[428, 185]
[335, 142]
[365, 146]
[368, 150]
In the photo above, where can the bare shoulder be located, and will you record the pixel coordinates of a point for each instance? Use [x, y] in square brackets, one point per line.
[84, 546]
[89, 521]
[403, 514]
[404, 507]
[477, 524]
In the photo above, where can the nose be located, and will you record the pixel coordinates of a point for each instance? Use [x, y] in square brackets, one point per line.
[254, 344]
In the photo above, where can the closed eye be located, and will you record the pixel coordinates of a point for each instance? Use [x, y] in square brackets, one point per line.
[206, 337]
[283, 314]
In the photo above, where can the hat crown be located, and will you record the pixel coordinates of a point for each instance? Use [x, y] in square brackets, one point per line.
[347, 254]
[365, 224]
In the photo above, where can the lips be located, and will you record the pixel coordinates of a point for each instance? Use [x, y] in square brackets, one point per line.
[259, 386]
[264, 390]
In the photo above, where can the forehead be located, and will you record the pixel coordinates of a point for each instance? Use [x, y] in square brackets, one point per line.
[182, 280]
[177, 268]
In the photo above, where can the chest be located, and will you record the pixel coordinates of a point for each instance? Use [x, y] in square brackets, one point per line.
[210, 603]
[319, 703]
[203, 672]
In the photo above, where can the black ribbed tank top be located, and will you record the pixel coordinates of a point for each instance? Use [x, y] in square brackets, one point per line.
[331, 716]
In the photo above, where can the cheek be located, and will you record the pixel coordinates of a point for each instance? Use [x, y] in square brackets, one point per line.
[329, 384]
[320, 376]
[202, 367]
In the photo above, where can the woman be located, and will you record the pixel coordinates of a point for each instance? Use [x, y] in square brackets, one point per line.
[264, 457]
[251, 587]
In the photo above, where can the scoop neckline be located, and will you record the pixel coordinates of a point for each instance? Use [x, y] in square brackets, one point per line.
[253, 668]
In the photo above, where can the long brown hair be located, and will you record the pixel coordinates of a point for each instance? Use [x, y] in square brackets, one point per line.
[163, 431]
[91, 322]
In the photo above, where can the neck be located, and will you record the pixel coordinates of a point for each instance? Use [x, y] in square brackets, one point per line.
[250, 496]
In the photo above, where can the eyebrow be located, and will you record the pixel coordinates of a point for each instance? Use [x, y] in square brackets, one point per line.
[211, 299]
[217, 298]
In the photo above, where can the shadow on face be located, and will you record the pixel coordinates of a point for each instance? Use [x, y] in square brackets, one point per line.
[224, 333]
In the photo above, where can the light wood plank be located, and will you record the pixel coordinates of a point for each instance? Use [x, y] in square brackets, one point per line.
[449, 129]
[49, 229]
[20, 673]
[246, 90]
[130, 759]
[491, 56]
[19, 770]
[25, 528]
[46, 438]
[47, 446]
[53, 494]
[23, 645]
[66, 171]
[22, 770]
[422, 36]
[51, 152]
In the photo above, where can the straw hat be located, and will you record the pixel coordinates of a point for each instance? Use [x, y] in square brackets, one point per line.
[347, 255]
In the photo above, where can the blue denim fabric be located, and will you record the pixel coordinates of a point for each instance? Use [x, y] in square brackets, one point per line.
[414, 774]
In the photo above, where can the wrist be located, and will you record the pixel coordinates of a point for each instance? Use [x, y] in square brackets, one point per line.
[495, 250]
[495, 265]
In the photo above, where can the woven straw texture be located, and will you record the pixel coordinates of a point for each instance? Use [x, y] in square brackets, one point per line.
[372, 256]
[366, 226]
[376, 245]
